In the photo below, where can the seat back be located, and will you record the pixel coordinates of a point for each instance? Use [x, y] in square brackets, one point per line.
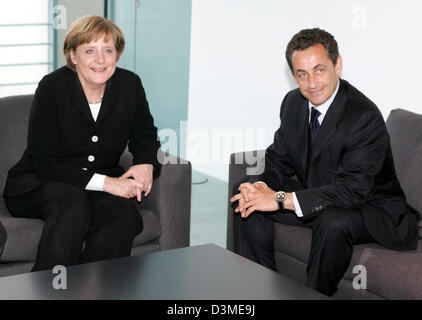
[405, 130]
[14, 115]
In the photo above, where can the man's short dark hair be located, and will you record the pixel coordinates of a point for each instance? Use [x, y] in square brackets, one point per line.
[309, 37]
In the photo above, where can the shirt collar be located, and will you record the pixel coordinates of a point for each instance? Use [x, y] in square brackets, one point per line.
[323, 108]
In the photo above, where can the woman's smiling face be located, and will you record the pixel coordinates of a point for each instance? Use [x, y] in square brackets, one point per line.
[95, 61]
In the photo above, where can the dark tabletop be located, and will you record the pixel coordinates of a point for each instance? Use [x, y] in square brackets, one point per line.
[194, 273]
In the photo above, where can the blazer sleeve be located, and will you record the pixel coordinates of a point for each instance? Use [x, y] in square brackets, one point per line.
[362, 160]
[44, 142]
[279, 170]
[143, 139]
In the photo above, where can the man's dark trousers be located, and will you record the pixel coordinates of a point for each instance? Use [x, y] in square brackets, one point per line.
[334, 232]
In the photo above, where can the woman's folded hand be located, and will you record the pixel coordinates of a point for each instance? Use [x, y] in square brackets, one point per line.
[123, 187]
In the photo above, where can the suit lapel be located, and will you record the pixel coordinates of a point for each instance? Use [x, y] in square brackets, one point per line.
[110, 96]
[107, 103]
[329, 125]
[301, 127]
[78, 96]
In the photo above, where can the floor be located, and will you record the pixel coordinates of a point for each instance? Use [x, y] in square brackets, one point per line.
[208, 210]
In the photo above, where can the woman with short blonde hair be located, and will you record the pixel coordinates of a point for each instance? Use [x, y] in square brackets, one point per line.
[82, 118]
[91, 28]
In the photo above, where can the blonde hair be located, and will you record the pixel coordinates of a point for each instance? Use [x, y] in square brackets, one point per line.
[91, 28]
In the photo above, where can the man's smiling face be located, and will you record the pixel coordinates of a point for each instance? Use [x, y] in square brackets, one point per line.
[315, 73]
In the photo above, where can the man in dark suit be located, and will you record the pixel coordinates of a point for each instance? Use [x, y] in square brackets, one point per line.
[330, 168]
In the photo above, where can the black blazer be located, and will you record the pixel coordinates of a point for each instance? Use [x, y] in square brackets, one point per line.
[61, 130]
[350, 165]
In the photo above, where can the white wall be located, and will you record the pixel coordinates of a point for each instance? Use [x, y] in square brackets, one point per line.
[238, 73]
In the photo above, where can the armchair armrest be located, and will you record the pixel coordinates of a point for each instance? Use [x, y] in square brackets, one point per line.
[170, 199]
[239, 173]
[3, 236]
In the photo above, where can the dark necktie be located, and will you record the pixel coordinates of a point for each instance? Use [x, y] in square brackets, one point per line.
[313, 125]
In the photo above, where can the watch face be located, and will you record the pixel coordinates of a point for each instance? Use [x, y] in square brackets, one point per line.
[280, 196]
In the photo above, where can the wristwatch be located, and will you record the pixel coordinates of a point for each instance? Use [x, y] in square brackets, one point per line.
[280, 197]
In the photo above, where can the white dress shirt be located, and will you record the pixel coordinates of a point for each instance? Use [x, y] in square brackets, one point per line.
[97, 181]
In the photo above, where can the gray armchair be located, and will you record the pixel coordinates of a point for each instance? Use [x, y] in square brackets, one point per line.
[390, 274]
[165, 212]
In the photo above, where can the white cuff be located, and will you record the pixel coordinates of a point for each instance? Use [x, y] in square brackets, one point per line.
[96, 183]
[298, 210]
